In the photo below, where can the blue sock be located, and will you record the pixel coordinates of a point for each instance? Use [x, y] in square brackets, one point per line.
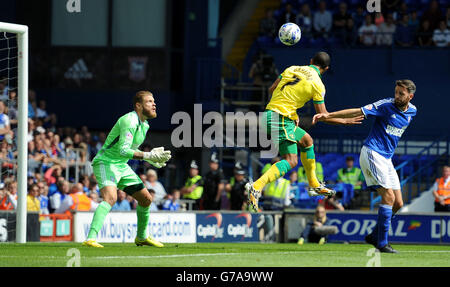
[374, 232]
[384, 220]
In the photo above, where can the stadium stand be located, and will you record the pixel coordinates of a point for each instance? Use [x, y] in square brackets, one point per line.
[55, 140]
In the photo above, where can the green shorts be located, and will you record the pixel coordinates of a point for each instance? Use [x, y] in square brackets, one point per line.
[288, 133]
[119, 175]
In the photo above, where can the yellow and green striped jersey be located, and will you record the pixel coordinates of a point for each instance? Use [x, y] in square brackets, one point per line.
[123, 140]
[297, 86]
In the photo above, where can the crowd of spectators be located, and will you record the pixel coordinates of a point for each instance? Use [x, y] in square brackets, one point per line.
[349, 25]
[60, 177]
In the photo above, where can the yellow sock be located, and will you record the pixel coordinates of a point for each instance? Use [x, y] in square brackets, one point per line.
[271, 175]
[310, 169]
[276, 171]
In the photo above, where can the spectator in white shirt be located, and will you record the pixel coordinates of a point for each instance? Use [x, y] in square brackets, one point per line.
[153, 183]
[386, 32]
[58, 197]
[441, 36]
[323, 21]
[41, 111]
[367, 32]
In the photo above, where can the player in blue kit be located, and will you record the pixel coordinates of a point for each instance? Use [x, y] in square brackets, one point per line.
[392, 117]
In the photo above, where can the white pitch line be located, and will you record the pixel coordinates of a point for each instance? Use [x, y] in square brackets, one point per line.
[425, 251]
[165, 256]
[198, 255]
[214, 254]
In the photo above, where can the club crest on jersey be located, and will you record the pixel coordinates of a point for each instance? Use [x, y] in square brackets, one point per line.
[129, 136]
[393, 116]
[369, 107]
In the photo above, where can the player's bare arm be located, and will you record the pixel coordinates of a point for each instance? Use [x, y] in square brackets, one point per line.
[274, 86]
[344, 117]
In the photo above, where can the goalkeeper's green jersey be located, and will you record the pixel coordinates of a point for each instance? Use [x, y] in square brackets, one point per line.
[123, 140]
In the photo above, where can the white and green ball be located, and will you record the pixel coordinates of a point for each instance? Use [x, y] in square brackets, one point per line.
[289, 34]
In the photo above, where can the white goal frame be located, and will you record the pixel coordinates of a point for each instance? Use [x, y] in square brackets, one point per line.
[22, 128]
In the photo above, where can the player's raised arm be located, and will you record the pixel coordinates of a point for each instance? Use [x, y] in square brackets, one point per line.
[344, 117]
[343, 114]
[274, 85]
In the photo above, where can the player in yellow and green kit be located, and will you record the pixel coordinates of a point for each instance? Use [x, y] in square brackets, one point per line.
[112, 171]
[294, 87]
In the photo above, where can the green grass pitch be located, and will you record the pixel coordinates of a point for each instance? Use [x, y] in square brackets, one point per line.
[220, 255]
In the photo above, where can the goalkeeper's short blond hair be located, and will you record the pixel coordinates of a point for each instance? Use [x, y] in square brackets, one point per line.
[137, 98]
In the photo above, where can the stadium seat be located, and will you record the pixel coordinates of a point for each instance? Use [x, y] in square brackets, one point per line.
[335, 42]
[353, 3]
[277, 13]
[303, 200]
[317, 43]
[346, 190]
[265, 40]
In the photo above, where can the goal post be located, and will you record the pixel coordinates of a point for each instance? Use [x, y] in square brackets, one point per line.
[22, 125]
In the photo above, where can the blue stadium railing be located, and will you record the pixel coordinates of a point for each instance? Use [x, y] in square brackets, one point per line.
[419, 169]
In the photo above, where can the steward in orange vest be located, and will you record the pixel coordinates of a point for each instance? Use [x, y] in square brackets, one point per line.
[77, 200]
[8, 197]
[5, 203]
[80, 202]
[441, 191]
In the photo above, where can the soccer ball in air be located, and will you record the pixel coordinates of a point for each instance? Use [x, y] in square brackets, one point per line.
[289, 34]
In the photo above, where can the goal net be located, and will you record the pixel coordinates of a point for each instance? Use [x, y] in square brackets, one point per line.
[14, 95]
[8, 95]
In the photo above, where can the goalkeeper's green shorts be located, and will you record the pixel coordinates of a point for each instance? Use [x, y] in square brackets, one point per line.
[119, 175]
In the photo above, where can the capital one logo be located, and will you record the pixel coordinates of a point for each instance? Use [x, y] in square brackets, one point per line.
[213, 230]
[73, 6]
[241, 229]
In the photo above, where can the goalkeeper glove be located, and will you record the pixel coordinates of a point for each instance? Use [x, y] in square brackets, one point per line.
[157, 155]
[156, 164]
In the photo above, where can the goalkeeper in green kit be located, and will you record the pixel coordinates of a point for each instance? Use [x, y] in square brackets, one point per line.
[112, 171]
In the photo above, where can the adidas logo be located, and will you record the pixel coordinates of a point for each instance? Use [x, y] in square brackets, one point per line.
[78, 71]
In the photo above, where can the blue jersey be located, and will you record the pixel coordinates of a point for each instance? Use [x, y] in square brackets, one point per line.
[390, 123]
